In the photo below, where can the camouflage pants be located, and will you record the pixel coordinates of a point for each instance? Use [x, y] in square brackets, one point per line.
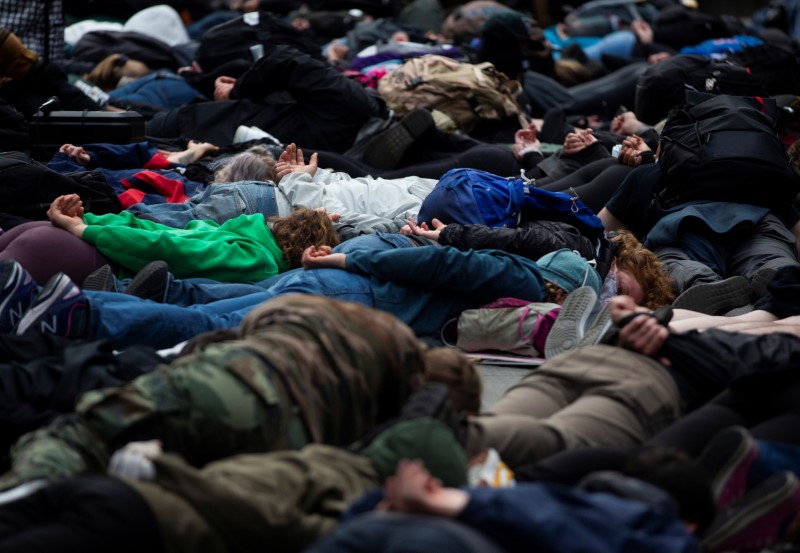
[197, 408]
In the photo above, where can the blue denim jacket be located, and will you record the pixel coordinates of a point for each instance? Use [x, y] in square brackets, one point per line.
[218, 202]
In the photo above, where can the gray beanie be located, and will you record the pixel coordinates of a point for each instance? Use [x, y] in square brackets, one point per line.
[568, 270]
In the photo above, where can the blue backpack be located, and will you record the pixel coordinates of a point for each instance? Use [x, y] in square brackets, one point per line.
[472, 197]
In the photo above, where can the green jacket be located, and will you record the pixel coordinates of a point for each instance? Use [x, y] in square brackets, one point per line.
[240, 250]
[281, 501]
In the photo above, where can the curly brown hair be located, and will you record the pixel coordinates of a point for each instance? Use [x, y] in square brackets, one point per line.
[299, 230]
[645, 267]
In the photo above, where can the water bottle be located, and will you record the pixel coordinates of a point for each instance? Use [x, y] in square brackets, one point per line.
[616, 150]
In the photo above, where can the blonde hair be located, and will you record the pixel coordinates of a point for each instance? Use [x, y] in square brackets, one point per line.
[645, 267]
[300, 229]
[108, 72]
[255, 163]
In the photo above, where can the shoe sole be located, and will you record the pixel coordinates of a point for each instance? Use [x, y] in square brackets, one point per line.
[780, 489]
[715, 298]
[394, 142]
[141, 285]
[49, 294]
[102, 280]
[726, 452]
[761, 279]
[568, 328]
[600, 325]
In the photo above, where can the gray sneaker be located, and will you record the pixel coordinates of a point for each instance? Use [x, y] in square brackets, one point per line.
[570, 324]
[716, 298]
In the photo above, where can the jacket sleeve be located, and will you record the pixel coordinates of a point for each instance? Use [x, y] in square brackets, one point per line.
[202, 250]
[482, 276]
[264, 508]
[532, 239]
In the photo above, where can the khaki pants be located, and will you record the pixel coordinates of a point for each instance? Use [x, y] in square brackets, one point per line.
[599, 395]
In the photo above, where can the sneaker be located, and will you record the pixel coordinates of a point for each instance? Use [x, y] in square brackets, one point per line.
[601, 323]
[384, 150]
[761, 279]
[61, 309]
[727, 459]
[101, 280]
[760, 520]
[716, 298]
[570, 324]
[18, 292]
[247, 134]
[150, 282]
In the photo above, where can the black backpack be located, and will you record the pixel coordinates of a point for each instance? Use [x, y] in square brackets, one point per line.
[725, 148]
[244, 38]
[663, 86]
[775, 67]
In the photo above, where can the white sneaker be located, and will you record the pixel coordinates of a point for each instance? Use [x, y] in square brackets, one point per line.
[246, 134]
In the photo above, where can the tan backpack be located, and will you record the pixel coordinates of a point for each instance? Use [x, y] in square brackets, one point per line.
[465, 92]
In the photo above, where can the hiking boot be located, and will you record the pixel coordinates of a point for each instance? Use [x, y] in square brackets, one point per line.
[61, 309]
[150, 282]
[760, 520]
[18, 292]
[716, 298]
[727, 460]
[570, 324]
[101, 280]
[384, 150]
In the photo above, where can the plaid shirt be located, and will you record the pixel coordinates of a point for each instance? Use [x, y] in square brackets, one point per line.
[26, 19]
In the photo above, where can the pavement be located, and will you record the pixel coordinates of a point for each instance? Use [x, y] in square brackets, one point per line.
[496, 380]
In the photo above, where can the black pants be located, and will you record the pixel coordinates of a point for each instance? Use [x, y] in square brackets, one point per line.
[86, 514]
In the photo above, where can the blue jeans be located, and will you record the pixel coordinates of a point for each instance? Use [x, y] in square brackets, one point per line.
[128, 320]
[193, 291]
[218, 202]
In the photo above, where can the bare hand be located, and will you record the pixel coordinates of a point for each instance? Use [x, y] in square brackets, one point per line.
[423, 230]
[322, 258]
[526, 139]
[223, 87]
[291, 160]
[76, 153]
[632, 149]
[66, 212]
[578, 140]
[626, 123]
[414, 490]
[194, 151]
[643, 334]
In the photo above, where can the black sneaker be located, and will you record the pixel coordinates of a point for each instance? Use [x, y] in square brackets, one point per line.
[570, 324]
[101, 280]
[150, 282]
[18, 291]
[384, 150]
[716, 298]
[761, 279]
[760, 520]
[727, 459]
[61, 309]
